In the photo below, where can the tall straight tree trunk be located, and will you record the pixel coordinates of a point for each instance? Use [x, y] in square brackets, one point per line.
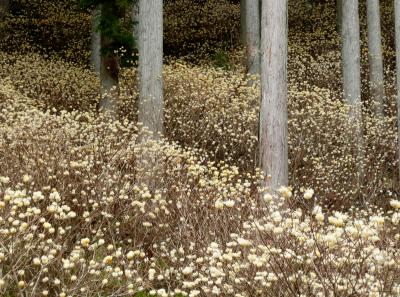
[351, 52]
[375, 56]
[95, 42]
[253, 27]
[243, 21]
[4, 7]
[135, 20]
[273, 142]
[397, 29]
[151, 103]
[338, 15]
[109, 68]
[350, 32]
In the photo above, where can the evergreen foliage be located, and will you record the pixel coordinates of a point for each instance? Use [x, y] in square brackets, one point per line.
[116, 26]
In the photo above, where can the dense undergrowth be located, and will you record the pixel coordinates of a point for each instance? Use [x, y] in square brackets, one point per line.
[77, 217]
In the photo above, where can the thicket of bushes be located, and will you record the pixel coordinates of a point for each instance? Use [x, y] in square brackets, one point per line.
[62, 28]
[77, 220]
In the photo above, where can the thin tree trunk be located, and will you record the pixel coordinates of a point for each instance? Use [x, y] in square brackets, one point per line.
[109, 70]
[350, 32]
[95, 42]
[375, 56]
[151, 103]
[135, 20]
[338, 15]
[243, 21]
[253, 27]
[273, 142]
[397, 29]
[4, 8]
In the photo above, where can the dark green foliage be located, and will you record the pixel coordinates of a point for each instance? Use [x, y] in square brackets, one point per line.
[116, 27]
[141, 294]
[220, 60]
[145, 294]
[121, 4]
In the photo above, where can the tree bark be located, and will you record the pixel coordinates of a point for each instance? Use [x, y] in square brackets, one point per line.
[351, 52]
[338, 15]
[243, 21]
[4, 8]
[273, 138]
[375, 56]
[350, 32]
[397, 30]
[109, 70]
[151, 103]
[135, 19]
[95, 42]
[253, 27]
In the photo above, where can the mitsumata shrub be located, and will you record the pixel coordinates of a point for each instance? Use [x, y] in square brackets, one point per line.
[82, 213]
[78, 220]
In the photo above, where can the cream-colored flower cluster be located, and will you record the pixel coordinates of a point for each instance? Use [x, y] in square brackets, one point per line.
[78, 216]
[88, 210]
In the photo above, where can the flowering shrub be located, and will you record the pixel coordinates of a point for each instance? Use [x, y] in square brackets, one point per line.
[78, 218]
[61, 28]
[86, 209]
[57, 28]
[196, 29]
[214, 111]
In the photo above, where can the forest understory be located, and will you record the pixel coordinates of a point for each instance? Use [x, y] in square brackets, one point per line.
[80, 217]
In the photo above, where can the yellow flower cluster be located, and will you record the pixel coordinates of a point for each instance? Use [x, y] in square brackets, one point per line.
[79, 217]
